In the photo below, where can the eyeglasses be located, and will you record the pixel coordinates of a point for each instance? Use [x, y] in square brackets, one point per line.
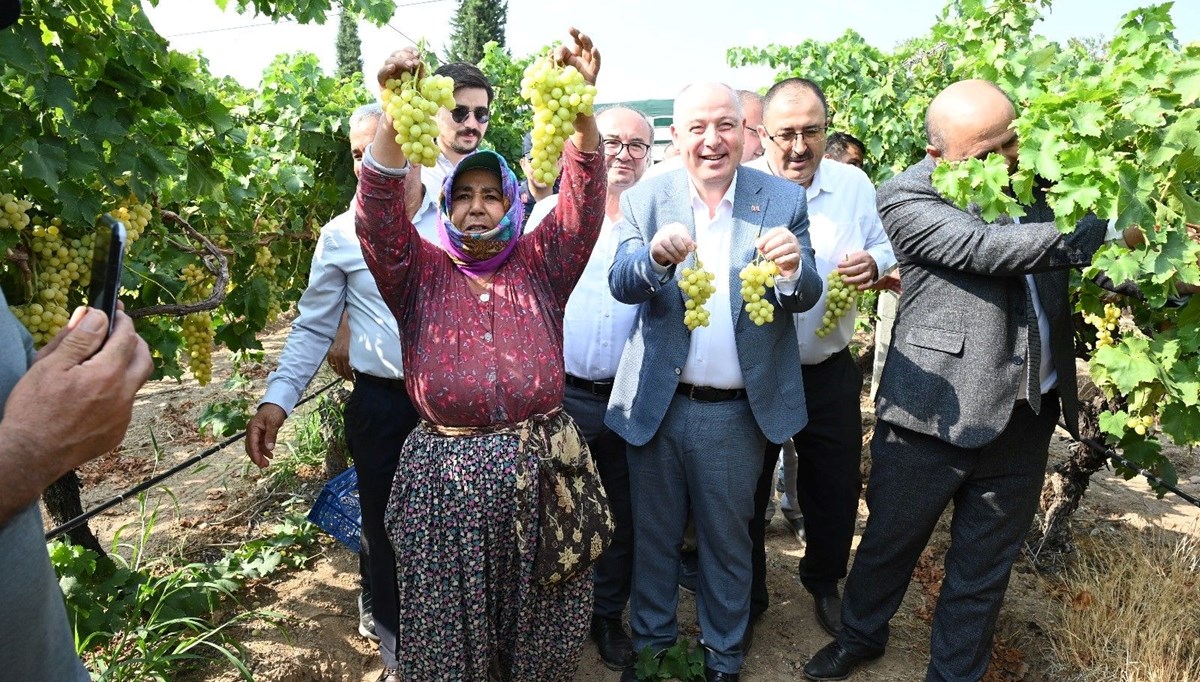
[637, 150]
[460, 113]
[787, 138]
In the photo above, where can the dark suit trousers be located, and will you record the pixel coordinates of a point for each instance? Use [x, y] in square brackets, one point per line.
[995, 491]
[828, 479]
[612, 574]
[378, 420]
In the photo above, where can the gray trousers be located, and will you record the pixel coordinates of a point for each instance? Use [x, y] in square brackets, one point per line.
[995, 491]
[706, 457]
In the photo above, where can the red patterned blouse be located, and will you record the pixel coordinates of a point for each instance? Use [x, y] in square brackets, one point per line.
[496, 357]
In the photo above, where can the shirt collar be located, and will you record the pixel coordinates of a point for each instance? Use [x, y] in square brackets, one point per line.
[816, 187]
[698, 201]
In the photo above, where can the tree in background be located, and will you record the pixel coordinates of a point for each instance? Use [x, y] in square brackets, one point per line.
[349, 47]
[475, 24]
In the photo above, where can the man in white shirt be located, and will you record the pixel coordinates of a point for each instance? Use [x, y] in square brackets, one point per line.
[379, 414]
[847, 236]
[697, 407]
[461, 129]
[595, 328]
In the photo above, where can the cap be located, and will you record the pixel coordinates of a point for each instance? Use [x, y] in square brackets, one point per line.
[485, 159]
[526, 144]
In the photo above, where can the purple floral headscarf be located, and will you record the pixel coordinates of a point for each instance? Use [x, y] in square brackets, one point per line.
[469, 253]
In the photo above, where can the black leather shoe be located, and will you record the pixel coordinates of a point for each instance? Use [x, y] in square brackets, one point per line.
[829, 613]
[616, 648]
[796, 525]
[711, 675]
[689, 572]
[390, 675]
[366, 619]
[834, 663]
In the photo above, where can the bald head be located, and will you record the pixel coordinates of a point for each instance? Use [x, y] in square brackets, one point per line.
[971, 119]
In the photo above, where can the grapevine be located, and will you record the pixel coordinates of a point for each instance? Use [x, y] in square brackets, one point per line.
[412, 105]
[558, 94]
[839, 300]
[756, 277]
[697, 286]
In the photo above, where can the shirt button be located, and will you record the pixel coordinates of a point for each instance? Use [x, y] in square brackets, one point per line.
[678, 371]
[487, 336]
[604, 343]
[1018, 360]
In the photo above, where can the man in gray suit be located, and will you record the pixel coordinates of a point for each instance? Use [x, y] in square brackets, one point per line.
[697, 408]
[980, 366]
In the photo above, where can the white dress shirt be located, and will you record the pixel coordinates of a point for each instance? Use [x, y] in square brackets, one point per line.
[339, 280]
[842, 218]
[595, 325]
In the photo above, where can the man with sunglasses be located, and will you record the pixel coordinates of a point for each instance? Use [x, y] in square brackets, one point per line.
[461, 129]
[595, 328]
[822, 461]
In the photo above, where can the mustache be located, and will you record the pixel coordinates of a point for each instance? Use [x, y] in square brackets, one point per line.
[471, 131]
[799, 158]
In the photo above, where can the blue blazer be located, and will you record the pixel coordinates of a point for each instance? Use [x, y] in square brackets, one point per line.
[657, 349]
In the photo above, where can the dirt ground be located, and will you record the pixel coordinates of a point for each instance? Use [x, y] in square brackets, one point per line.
[313, 636]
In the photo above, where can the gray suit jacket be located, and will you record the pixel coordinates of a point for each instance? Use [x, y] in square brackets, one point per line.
[957, 362]
[658, 347]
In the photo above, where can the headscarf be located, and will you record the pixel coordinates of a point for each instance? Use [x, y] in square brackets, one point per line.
[482, 254]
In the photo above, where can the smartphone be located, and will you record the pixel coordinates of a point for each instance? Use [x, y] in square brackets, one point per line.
[108, 256]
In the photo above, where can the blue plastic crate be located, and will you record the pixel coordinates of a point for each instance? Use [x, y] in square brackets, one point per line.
[337, 511]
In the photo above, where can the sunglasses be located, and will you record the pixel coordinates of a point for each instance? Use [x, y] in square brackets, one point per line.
[460, 114]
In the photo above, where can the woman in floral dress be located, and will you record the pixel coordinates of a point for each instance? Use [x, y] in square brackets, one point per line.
[480, 321]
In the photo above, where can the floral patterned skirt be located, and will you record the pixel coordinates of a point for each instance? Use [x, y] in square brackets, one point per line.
[461, 509]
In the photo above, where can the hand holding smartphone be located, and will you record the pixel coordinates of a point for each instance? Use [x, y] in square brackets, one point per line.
[108, 254]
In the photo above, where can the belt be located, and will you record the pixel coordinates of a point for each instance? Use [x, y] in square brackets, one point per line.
[708, 394]
[600, 388]
[397, 384]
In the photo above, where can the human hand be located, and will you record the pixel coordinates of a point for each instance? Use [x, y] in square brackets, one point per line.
[400, 62]
[261, 433]
[781, 246]
[889, 282]
[858, 270]
[76, 400]
[583, 56]
[339, 352]
[671, 244]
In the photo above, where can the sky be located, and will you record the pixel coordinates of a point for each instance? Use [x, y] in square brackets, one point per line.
[649, 49]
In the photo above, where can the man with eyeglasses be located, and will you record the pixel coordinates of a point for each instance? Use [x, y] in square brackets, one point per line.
[461, 129]
[595, 328]
[821, 461]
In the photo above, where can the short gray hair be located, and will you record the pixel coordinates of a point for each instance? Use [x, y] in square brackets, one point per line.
[733, 95]
[622, 107]
[373, 111]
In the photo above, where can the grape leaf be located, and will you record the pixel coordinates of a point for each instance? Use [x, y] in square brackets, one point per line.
[1087, 117]
[1181, 423]
[1114, 424]
[1128, 364]
[1186, 77]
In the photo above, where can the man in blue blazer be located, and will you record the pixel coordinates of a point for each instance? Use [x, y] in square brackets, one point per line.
[698, 407]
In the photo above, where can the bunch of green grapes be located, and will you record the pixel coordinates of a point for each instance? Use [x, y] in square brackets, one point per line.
[756, 277]
[557, 94]
[266, 263]
[697, 286]
[1106, 325]
[197, 328]
[134, 214]
[14, 213]
[1141, 425]
[413, 105]
[57, 264]
[839, 300]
